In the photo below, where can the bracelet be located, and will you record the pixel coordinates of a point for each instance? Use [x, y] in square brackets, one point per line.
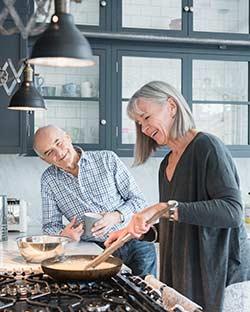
[156, 234]
[172, 205]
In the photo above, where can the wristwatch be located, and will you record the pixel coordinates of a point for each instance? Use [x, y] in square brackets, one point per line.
[172, 205]
[121, 215]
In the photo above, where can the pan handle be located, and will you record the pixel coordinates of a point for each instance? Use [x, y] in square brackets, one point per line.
[121, 241]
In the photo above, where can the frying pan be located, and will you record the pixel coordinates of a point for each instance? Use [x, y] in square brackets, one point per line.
[93, 273]
[88, 275]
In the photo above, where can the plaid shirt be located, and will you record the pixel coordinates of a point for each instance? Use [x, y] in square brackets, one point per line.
[103, 184]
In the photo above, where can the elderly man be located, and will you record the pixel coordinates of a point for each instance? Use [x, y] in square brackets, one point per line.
[78, 182]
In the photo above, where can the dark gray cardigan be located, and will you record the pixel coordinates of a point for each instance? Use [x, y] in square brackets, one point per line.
[207, 249]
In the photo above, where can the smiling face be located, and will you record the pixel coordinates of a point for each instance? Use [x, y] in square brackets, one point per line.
[55, 147]
[156, 120]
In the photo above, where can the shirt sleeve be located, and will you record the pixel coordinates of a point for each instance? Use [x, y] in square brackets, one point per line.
[224, 207]
[125, 183]
[52, 217]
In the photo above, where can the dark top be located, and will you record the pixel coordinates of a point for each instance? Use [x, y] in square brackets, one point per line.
[207, 249]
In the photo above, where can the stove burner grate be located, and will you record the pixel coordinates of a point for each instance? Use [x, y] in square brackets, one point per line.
[40, 293]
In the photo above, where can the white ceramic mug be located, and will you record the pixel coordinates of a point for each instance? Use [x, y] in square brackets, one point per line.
[86, 89]
[89, 219]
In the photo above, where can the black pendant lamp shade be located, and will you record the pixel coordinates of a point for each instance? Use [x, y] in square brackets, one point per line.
[27, 97]
[62, 44]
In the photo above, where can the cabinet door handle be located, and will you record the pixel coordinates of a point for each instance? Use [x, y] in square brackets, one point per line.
[103, 3]
[191, 9]
[186, 8]
[103, 122]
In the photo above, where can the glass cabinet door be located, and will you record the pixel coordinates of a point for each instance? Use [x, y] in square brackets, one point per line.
[225, 16]
[220, 99]
[90, 13]
[73, 101]
[138, 70]
[147, 14]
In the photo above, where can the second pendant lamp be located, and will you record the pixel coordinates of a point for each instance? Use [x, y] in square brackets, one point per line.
[62, 44]
[27, 97]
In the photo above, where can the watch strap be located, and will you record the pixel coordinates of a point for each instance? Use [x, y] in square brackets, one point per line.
[172, 205]
[122, 218]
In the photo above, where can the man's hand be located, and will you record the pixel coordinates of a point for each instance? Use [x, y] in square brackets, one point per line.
[102, 226]
[73, 231]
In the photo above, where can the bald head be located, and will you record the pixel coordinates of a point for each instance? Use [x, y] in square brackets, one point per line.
[43, 136]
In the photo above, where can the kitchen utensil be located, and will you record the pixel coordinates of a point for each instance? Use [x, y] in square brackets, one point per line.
[49, 267]
[40, 247]
[3, 218]
[120, 242]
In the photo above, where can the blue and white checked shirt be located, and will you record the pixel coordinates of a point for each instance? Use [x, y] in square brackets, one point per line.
[104, 184]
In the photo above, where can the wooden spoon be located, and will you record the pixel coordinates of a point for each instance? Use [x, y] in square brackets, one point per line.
[120, 242]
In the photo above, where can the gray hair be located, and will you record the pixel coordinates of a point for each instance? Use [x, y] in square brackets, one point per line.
[158, 92]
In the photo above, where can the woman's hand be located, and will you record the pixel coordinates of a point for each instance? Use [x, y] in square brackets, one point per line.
[73, 230]
[137, 226]
[114, 236]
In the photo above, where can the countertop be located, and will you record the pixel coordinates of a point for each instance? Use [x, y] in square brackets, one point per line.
[10, 258]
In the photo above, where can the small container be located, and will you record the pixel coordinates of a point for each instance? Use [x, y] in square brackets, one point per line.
[37, 248]
[17, 215]
[3, 218]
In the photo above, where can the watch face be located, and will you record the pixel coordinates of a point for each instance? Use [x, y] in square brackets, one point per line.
[173, 203]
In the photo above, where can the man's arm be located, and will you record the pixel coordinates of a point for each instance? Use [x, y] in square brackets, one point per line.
[52, 217]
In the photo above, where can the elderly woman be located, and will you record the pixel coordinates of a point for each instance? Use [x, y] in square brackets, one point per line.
[203, 241]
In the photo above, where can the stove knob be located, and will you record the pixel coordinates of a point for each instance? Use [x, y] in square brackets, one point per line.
[143, 285]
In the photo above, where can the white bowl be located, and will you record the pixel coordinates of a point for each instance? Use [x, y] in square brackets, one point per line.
[37, 248]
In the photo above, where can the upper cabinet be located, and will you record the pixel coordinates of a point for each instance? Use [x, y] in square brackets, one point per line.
[136, 69]
[197, 18]
[193, 18]
[134, 42]
[220, 105]
[151, 16]
[227, 17]
[94, 15]
[76, 101]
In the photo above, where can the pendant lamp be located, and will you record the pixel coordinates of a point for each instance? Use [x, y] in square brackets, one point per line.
[62, 44]
[27, 97]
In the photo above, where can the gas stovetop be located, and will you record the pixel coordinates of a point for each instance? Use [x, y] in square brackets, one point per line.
[25, 292]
